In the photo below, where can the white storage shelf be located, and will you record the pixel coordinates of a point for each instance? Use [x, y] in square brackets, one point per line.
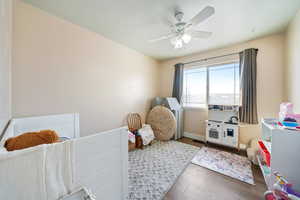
[284, 147]
[267, 173]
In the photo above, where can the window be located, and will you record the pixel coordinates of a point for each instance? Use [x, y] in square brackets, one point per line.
[194, 86]
[216, 85]
[224, 84]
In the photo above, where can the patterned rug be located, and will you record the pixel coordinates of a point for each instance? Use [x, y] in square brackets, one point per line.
[229, 164]
[153, 170]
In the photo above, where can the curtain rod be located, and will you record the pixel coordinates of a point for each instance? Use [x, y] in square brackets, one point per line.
[205, 59]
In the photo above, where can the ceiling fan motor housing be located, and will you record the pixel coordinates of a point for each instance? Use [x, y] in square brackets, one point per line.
[180, 25]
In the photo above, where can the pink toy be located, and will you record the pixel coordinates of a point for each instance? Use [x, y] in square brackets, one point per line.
[286, 107]
[282, 190]
[131, 137]
[286, 111]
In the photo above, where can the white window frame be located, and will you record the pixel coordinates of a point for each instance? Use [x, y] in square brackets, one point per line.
[204, 105]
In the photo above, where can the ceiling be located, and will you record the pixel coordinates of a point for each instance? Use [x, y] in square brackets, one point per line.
[134, 22]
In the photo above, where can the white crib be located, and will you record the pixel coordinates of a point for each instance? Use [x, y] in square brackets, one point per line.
[100, 160]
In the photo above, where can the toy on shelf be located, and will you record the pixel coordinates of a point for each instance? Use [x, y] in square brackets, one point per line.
[282, 190]
[287, 117]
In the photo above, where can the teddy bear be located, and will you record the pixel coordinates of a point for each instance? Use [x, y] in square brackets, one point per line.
[31, 139]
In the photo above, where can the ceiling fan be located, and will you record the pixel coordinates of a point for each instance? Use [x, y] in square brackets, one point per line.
[182, 32]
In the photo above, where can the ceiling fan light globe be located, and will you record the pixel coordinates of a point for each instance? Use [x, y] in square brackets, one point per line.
[178, 44]
[186, 38]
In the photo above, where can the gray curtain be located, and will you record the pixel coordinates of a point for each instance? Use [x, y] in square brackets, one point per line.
[248, 109]
[178, 82]
[177, 93]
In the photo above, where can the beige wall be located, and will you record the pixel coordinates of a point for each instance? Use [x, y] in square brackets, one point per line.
[5, 61]
[270, 63]
[59, 67]
[292, 68]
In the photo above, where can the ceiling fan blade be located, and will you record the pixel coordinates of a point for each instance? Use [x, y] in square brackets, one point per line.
[165, 37]
[202, 15]
[200, 34]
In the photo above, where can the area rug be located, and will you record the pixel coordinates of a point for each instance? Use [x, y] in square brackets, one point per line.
[153, 170]
[229, 164]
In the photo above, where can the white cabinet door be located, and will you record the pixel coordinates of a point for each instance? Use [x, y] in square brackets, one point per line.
[230, 135]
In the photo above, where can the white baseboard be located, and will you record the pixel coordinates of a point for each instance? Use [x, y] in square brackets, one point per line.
[194, 136]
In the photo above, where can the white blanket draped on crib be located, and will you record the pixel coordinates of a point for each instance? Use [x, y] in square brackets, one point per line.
[59, 169]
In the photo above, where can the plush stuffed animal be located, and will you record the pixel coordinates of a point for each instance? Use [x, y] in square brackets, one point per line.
[252, 151]
[31, 139]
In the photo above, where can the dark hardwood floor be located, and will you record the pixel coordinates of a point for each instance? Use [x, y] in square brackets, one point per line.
[197, 183]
